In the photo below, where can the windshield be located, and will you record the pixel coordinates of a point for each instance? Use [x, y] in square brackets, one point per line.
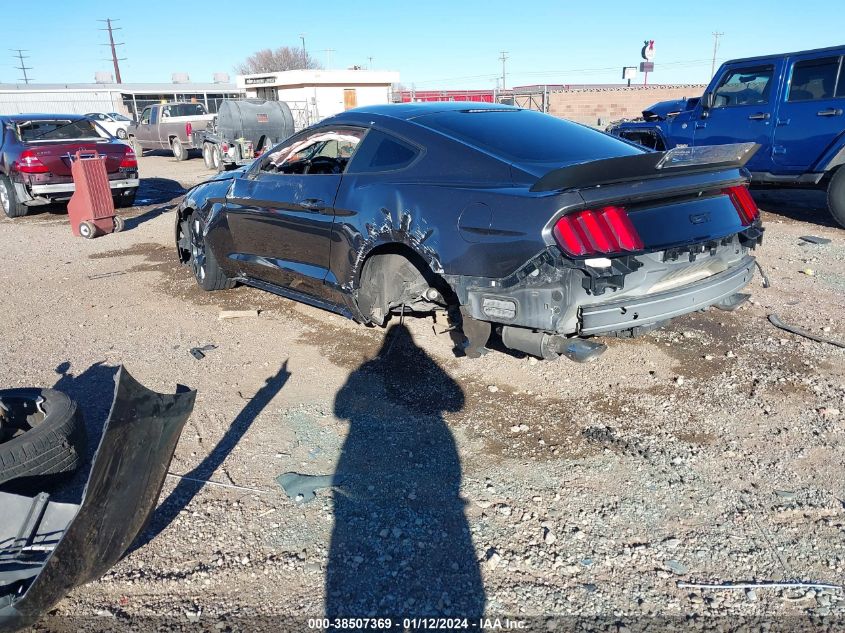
[119, 117]
[60, 130]
[527, 136]
[182, 109]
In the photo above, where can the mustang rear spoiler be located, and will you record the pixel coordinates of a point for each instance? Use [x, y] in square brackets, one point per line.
[47, 548]
[680, 160]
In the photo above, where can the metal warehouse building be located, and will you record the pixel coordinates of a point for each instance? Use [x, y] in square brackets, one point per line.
[127, 99]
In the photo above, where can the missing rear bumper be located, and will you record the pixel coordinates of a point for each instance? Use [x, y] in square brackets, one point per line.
[647, 310]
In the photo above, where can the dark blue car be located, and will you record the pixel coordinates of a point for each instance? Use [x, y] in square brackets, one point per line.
[792, 105]
[542, 228]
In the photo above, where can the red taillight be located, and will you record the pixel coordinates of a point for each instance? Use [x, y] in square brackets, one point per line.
[603, 231]
[129, 161]
[224, 147]
[188, 129]
[746, 208]
[29, 163]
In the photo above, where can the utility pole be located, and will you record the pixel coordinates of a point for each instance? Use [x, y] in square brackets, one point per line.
[23, 67]
[328, 52]
[504, 58]
[112, 43]
[716, 37]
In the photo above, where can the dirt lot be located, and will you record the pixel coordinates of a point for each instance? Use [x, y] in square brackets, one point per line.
[710, 451]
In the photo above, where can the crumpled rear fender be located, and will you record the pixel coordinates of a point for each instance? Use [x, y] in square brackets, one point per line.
[47, 548]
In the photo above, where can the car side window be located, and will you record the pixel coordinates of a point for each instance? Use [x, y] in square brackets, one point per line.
[145, 116]
[383, 152]
[323, 151]
[744, 86]
[814, 79]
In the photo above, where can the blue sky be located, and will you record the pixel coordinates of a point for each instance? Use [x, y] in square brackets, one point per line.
[434, 44]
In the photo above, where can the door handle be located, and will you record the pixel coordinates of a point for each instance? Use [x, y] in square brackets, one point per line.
[830, 112]
[760, 116]
[312, 204]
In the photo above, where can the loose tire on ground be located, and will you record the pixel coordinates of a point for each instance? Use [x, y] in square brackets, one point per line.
[43, 434]
[836, 196]
[179, 151]
[204, 265]
[9, 200]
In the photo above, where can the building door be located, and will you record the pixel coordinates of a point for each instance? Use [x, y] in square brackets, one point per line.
[350, 98]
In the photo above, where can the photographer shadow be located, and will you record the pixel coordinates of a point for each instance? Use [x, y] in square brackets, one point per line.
[401, 545]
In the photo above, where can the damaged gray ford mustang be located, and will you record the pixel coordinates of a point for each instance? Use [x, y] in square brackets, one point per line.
[545, 229]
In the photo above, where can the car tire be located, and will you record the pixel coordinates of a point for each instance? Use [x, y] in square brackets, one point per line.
[121, 134]
[836, 196]
[179, 151]
[125, 200]
[206, 155]
[9, 200]
[203, 264]
[44, 435]
[217, 159]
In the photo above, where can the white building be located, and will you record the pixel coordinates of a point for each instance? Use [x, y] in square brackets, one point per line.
[322, 93]
[127, 99]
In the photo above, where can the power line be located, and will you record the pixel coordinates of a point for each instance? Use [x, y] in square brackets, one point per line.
[716, 37]
[112, 43]
[504, 58]
[23, 67]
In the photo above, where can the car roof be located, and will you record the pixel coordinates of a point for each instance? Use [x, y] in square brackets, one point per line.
[830, 49]
[408, 111]
[38, 116]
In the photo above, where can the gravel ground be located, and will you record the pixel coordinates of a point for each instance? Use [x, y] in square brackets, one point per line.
[710, 451]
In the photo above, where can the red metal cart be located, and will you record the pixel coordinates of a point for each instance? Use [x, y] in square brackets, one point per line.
[91, 208]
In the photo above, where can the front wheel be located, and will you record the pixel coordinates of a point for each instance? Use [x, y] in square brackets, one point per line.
[836, 196]
[179, 151]
[204, 265]
[121, 134]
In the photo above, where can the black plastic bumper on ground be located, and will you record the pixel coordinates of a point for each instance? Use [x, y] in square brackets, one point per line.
[642, 311]
[47, 548]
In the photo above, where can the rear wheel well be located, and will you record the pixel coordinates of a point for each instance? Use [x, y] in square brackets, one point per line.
[394, 275]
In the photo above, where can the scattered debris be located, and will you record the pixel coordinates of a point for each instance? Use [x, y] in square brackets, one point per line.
[766, 282]
[302, 488]
[199, 352]
[676, 567]
[215, 483]
[113, 273]
[813, 239]
[759, 585]
[236, 314]
[775, 320]
[808, 271]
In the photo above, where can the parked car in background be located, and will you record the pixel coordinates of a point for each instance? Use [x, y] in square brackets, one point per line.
[169, 126]
[117, 124]
[514, 219]
[36, 151]
[242, 130]
[792, 105]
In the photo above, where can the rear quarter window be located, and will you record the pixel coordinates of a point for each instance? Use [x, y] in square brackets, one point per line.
[383, 152]
[527, 136]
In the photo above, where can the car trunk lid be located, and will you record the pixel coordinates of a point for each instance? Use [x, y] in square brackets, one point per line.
[58, 156]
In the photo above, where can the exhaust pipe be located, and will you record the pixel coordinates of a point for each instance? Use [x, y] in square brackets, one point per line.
[550, 346]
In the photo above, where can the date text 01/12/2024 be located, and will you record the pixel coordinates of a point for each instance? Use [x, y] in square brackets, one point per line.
[416, 624]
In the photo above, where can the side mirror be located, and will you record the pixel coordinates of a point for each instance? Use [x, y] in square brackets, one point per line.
[707, 100]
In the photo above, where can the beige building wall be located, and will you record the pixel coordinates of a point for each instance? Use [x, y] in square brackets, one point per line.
[600, 106]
